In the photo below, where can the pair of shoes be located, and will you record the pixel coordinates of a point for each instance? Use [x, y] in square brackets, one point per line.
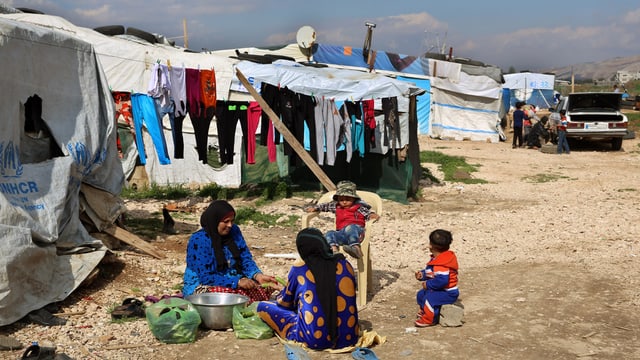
[43, 317]
[421, 323]
[130, 308]
[353, 250]
[9, 343]
[361, 353]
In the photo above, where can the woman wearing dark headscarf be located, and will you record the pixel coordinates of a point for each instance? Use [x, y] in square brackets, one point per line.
[318, 305]
[218, 259]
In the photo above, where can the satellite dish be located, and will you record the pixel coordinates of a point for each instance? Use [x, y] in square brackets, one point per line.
[306, 37]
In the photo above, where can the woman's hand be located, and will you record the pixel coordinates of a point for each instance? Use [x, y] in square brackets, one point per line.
[268, 279]
[247, 284]
[418, 275]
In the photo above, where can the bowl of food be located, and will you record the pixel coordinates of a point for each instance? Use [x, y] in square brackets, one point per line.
[216, 309]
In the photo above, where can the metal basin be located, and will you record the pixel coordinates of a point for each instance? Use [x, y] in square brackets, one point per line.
[216, 309]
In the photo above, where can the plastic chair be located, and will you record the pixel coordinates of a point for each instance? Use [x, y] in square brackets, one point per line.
[364, 276]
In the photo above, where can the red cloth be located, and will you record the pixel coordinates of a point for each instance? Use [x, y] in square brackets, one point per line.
[208, 88]
[257, 294]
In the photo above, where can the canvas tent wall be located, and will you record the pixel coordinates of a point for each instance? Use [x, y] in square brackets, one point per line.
[532, 88]
[128, 62]
[379, 170]
[46, 250]
[465, 98]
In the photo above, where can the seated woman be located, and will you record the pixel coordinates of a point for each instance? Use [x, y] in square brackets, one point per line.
[537, 132]
[218, 259]
[318, 305]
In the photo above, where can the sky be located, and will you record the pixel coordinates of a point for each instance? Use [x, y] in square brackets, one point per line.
[531, 36]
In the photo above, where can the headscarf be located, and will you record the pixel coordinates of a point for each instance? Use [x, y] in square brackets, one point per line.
[218, 210]
[317, 255]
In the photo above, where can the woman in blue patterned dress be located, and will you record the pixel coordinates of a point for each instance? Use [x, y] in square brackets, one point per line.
[318, 305]
[219, 260]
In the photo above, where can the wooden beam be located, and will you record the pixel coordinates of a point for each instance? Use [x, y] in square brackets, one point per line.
[288, 136]
[133, 240]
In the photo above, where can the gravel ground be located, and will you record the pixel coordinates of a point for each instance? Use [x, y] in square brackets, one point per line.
[548, 253]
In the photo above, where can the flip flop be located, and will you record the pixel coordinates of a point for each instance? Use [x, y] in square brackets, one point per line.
[130, 308]
[9, 343]
[35, 351]
[364, 354]
[43, 317]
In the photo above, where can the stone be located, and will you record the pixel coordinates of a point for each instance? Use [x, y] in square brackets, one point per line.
[452, 315]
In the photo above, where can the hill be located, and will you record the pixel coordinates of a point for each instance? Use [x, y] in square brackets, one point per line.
[603, 70]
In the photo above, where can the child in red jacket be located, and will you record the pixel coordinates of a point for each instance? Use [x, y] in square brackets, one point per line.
[439, 279]
[351, 216]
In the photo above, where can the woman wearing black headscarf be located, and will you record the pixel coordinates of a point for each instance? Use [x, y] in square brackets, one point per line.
[219, 260]
[318, 305]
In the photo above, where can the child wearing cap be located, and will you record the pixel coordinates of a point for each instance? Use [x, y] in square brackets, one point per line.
[351, 216]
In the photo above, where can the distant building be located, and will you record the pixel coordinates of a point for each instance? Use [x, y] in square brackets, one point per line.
[626, 76]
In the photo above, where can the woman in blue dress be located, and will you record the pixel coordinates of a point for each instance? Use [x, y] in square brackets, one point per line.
[318, 305]
[219, 260]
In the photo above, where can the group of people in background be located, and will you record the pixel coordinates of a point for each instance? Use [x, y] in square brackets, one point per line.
[531, 131]
[317, 305]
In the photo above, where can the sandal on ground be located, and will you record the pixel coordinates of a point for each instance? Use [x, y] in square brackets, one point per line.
[363, 354]
[353, 250]
[9, 343]
[43, 317]
[35, 351]
[130, 308]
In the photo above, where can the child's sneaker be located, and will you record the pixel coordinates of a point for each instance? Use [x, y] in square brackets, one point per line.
[353, 250]
[421, 323]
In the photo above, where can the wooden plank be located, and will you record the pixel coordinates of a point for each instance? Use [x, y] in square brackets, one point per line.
[288, 136]
[133, 240]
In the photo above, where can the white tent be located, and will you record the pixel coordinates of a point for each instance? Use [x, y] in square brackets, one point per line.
[127, 63]
[465, 98]
[466, 105]
[532, 88]
[58, 160]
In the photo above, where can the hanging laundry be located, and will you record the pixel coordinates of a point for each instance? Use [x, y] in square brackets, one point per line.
[178, 94]
[145, 114]
[228, 113]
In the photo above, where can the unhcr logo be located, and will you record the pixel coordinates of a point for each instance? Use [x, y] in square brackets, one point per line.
[10, 165]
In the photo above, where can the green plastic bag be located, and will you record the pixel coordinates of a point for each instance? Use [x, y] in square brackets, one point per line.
[173, 320]
[248, 325]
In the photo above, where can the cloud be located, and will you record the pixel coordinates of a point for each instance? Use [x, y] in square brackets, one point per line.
[632, 17]
[96, 14]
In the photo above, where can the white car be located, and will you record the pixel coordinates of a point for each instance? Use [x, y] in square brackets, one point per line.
[593, 116]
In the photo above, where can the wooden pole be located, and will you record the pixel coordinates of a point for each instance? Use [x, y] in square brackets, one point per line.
[288, 136]
[184, 30]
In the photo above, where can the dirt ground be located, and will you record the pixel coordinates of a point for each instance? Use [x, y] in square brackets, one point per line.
[547, 249]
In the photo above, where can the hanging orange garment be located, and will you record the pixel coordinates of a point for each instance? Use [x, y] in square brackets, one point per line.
[208, 87]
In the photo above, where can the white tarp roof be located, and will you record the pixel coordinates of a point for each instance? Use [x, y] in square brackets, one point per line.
[46, 250]
[338, 84]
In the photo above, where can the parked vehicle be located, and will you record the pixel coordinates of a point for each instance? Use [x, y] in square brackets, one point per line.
[593, 116]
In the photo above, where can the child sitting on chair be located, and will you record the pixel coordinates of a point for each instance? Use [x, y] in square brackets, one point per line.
[439, 279]
[351, 215]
